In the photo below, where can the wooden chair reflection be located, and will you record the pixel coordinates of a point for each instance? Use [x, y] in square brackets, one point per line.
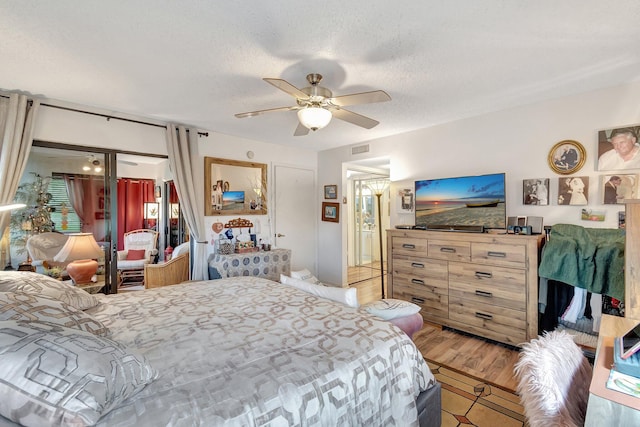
[169, 273]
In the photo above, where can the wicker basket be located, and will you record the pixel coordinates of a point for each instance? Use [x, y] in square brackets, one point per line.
[226, 248]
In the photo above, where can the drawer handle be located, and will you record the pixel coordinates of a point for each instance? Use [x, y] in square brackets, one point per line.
[417, 265]
[484, 294]
[448, 250]
[483, 275]
[497, 254]
[417, 281]
[484, 316]
[408, 246]
[417, 300]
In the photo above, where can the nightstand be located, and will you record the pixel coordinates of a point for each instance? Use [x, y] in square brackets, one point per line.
[93, 287]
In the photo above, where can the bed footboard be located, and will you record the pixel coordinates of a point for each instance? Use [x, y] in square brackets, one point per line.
[429, 404]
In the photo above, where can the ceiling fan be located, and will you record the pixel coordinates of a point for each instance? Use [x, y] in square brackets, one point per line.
[316, 105]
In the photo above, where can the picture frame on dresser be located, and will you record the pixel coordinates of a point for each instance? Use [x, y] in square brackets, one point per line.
[330, 212]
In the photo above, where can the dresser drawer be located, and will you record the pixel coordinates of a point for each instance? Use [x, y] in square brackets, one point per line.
[499, 254]
[421, 268]
[408, 246]
[487, 284]
[498, 323]
[434, 300]
[449, 250]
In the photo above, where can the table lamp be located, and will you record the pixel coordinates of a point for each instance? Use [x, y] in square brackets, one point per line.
[80, 249]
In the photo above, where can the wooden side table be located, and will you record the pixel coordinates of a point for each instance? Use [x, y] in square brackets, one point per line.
[603, 409]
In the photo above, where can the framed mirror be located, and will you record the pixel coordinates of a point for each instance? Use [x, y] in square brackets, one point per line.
[234, 187]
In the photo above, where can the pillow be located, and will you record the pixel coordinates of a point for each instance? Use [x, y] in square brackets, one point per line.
[306, 276]
[182, 248]
[389, 309]
[348, 297]
[39, 284]
[52, 375]
[135, 254]
[20, 306]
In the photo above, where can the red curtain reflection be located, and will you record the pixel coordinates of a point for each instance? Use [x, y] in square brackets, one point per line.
[132, 195]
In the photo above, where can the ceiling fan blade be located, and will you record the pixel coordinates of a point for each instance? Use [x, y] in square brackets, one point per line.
[361, 98]
[285, 86]
[301, 130]
[271, 110]
[354, 118]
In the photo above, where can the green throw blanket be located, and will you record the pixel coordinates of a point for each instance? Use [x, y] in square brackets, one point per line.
[589, 258]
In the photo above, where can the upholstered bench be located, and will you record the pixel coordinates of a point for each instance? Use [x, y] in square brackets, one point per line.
[403, 314]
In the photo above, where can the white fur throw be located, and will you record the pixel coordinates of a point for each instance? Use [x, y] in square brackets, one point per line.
[553, 381]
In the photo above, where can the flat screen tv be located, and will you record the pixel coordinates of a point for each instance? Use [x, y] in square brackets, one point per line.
[463, 201]
[232, 200]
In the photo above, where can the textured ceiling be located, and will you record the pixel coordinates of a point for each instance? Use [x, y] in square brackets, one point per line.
[200, 62]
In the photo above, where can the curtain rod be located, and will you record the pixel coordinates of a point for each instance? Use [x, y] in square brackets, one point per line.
[108, 117]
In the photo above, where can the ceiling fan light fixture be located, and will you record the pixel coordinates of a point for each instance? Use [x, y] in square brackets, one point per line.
[314, 117]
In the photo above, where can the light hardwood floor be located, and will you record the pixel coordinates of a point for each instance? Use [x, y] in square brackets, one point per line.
[485, 360]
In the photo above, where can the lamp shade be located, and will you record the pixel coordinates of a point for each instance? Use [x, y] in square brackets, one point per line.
[314, 117]
[80, 249]
[378, 186]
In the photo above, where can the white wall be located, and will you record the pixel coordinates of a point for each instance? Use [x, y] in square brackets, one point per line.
[515, 141]
[235, 148]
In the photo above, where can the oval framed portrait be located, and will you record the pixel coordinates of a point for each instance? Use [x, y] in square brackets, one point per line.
[567, 157]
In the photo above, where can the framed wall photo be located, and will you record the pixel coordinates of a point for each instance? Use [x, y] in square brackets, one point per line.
[567, 157]
[535, 191]
[405, 200]
[330, 191]
[573, 190]
[618, 148]
[331, 212]
[618, 187]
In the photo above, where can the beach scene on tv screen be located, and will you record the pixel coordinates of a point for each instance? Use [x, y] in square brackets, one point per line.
[232, 200]
[469, 200]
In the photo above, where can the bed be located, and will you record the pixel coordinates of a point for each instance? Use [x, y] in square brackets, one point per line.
[249, 351]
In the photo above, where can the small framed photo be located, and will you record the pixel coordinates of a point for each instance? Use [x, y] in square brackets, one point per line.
[330, 191]
[591, 215]
[618, 187]
[573, 190]
[331, 212]
[405, 200]
[535, 191]
[567, 157]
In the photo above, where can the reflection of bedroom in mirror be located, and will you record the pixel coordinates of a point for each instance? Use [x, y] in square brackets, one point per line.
[235, 187]
[176, 231]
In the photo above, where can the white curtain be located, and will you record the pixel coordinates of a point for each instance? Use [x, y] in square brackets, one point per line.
[188, 177]
[17, 119]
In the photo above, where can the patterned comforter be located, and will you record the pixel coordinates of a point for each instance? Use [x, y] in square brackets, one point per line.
[248, 351]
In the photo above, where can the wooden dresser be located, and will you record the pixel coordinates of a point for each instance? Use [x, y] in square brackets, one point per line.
[484, 284]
